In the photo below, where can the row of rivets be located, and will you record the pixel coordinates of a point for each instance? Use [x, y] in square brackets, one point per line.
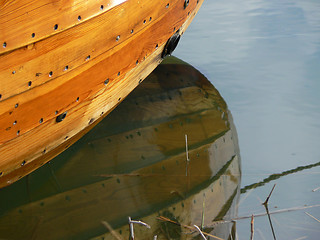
[55, 27]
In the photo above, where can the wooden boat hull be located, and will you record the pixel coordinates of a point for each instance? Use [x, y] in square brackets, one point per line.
[56, 84]
[138, 169]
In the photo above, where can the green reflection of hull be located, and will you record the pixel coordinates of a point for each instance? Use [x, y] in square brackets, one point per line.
[134, 164]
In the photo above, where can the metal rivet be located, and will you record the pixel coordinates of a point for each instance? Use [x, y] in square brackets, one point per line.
[55, 27]
[18, 132]
[1, 173]
[167, 5]
[118, 73]
[33, 35]
[17, 105]
[77, 99]
[157, 46]
[66, 137]
[50, 74]
[13, 72]
[61, 117]
[119, 99]
[41, 120]
[79, 18]
[23, 162]
[150, 18]
[131, 31]
[15, 122]
[118, 38]
[88, 57]
[140, 81]
[106, 81]
[137, 62]
[66, 68]
[56, 112]
[4, 44]
[144, 21]
[101, 7]
[29, 83]
[0, 96]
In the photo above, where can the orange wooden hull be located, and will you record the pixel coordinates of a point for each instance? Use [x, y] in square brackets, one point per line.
[69, 64]
[134, 164]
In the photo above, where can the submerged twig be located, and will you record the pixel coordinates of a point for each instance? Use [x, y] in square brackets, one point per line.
[312, 217]
[275, 176]
[201, 233]
[316, 189]
[131, 222]
[203, 208]
[267, 200]
[141, 223]
[131, 236]
[191, 228]
[187, 155]
[267, 210]
[252, 227]
[187, 152]
[264, 214]
[111, 230]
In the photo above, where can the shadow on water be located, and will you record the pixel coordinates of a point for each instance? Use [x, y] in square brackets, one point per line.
[134, 163]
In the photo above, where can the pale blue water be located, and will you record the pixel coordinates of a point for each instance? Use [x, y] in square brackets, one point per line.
[264, 58]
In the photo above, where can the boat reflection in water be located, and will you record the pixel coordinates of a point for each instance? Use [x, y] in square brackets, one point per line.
[134, 163]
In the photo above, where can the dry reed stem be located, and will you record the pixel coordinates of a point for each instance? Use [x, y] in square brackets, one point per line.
[203, 209]
[187, 152]
[264, 213]
[111, 230]
[316, 189]
[252, 227]
[191, 228]
[312, 216]
[201, 233]
[131, 236]
[267, 200]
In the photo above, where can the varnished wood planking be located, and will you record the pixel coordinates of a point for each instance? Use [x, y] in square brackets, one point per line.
[28, 21]
[38, 142]
[30, 66]
[50, 136]
[26, 111]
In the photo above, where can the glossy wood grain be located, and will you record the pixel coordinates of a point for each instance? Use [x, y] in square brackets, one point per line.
[71, 50]
[25, 22]
[86, 92]
[134, 164]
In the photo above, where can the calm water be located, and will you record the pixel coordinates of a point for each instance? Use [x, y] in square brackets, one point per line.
[264, 58]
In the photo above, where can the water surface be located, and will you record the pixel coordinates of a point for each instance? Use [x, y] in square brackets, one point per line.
[264, 58]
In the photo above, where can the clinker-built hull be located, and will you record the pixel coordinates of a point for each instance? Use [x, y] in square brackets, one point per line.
[64, 65]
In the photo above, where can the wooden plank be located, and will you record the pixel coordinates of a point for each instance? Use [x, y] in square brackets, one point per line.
[25, 22]
[34, 129]
[43, 61]
[22, 113]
